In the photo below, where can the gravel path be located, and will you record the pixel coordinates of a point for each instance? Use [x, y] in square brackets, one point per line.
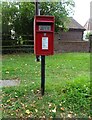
[7, 83]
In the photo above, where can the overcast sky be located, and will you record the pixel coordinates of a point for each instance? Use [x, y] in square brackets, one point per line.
[82, 11]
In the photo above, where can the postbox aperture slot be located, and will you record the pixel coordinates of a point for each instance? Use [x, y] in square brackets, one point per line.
[44, 27]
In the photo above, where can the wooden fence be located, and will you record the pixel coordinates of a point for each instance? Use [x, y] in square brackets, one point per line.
[23, 44]
[27, 45]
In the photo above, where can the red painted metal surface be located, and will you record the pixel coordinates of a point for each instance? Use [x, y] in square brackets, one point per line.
[44, 35]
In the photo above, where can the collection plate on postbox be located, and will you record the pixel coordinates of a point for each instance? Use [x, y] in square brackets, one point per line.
[44, 35]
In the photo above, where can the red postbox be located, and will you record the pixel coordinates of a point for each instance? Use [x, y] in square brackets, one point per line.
[44, 35]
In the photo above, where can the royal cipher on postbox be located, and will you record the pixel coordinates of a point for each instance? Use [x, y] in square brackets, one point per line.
[44, 35]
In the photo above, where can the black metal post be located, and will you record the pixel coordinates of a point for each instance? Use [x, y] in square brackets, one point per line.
[42, 58]
[42, 74]
[36, 7]
[37, 13]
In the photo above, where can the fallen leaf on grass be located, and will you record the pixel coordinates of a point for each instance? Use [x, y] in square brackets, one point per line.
[62, 109]
[34, 101]
[25, 105]
[16, 96]
[71, 112]
[27, 111]
[43, 117]
[90, 117]
[36, 110]
[50, 105]
[33, 82]
[21, 115]
[51, 117]
[54, 110]
[7, 72]
[22, 104]
[8, 101]
[69, 115]
[32, 90]
[11, 114]
[33, 105]
[60, 104]
[62, 115]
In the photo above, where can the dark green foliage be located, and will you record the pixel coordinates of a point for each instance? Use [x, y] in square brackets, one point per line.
[59, 10]
[18, 17]
[88, 35]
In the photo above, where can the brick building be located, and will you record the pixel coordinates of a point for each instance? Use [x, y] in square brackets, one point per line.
[75, 32]
[72, 40]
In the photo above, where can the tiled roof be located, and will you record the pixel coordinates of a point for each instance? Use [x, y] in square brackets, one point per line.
[73, 24]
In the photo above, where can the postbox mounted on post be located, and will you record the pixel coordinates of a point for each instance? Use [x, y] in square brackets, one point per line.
[44, 35]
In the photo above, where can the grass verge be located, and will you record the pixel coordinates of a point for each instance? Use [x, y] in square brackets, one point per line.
[67, 93]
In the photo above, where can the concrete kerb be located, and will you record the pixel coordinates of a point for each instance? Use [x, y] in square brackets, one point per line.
[8, 83]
